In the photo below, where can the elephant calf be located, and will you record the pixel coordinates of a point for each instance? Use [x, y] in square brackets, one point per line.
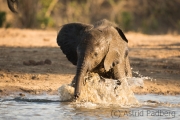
[100, 48]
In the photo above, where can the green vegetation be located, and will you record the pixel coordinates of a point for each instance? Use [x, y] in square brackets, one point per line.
[126, 20]
[2, 18]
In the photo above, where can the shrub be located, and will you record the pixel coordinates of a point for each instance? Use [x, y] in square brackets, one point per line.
[2, 18]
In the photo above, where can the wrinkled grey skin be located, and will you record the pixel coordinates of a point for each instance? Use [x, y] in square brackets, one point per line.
[11, 4]
[100, 48]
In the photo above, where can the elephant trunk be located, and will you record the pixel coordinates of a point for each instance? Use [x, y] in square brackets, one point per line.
[80, 73]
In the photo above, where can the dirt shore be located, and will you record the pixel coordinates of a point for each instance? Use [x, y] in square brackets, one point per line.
[31, 62]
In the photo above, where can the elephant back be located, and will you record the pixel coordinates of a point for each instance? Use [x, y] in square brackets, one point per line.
[105, 23]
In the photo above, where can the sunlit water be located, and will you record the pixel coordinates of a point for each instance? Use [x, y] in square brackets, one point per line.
[120, 103]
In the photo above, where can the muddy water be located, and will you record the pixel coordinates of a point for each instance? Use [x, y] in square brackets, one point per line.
[49, 107]
[102, 100]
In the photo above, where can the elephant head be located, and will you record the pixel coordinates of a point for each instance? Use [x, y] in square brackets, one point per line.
[11, 4]
[100, 48]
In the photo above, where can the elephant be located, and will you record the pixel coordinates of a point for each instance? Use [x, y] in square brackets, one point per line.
[101, 48]
[11, 4]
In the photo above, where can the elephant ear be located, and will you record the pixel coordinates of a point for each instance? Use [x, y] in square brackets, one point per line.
[69, 37]
[117, 50]
[112, 57]
[121, 34]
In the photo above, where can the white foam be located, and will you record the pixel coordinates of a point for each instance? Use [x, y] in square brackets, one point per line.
[136, 82]
[100, 91]
[66, 92]
[88, 105]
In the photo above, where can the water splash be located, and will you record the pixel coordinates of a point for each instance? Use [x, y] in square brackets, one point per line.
[66, 92]
[102, 91]
[138, 75]
[135, 82]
